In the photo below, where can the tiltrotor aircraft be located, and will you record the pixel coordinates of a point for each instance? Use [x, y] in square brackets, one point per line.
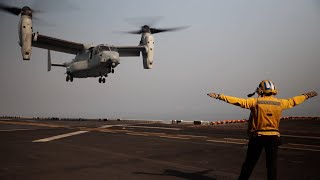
[90, 61]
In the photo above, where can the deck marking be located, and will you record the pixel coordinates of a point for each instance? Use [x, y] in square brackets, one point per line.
[137, 134]
[173, 137]
[6, 119]
[156, 134]
[234, 139]
[305, 137]
[226, 142]
[115, 125]
[32, 124]
[107, 131]
[282, 147]
[192, 136]
[306, 145]
[10, 130]
[218, 141]
[60, 136]
[143, 127]
[304, 149]
[152, 127]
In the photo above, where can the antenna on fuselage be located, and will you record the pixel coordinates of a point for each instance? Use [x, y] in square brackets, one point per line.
[49, 60]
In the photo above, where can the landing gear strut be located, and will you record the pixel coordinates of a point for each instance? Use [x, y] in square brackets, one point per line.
[69, 78]
[102, 80]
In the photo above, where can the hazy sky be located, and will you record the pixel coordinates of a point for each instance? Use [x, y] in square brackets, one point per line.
[229, 48]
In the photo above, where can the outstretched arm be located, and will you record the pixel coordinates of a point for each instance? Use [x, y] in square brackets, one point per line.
[244, 103]
[291, 102]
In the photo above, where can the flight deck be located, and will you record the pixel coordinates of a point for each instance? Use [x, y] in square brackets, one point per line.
[133, 149]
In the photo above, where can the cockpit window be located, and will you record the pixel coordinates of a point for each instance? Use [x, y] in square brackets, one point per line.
[103, 48]
[112, 48]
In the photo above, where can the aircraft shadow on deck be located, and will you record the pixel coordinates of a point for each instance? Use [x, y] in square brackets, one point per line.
[200, 175]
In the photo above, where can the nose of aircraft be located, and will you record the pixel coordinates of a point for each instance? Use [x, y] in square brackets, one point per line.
[110, 56]
[114, 56]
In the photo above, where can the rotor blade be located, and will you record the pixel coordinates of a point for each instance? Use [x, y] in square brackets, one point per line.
[156, 30]
[41, 22]
[140, 21]
[12, 10]
[57, 6]
[135, 32]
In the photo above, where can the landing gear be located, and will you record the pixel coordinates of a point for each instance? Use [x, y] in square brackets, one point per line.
[112, 70]
[102, 80]
[69, 78]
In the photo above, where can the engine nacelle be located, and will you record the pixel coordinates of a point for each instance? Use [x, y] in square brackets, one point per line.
[25, 33]
[148, 41]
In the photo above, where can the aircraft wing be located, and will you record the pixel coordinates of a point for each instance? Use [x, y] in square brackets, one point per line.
[46, 42]
[127, 51]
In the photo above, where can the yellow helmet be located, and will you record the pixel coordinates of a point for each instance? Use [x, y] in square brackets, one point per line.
[267, 87]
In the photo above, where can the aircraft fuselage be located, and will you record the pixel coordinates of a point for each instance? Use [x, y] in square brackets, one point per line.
[95, 62]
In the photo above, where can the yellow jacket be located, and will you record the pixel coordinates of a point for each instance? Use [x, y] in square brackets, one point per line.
[265, 112]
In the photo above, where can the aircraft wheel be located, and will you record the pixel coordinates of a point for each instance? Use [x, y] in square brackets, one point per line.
[104, 80]
[67, 78]
[100, 80]
[112, 71]
[71, 78]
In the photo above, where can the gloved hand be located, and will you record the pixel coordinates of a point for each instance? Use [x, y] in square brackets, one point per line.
[310, 94]
[214, 95]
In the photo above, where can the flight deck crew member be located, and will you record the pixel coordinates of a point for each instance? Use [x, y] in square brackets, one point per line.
[263, 124]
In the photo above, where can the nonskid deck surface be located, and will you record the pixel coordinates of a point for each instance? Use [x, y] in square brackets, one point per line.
[132, 149]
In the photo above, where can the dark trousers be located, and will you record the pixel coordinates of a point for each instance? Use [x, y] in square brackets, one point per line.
[255, 146]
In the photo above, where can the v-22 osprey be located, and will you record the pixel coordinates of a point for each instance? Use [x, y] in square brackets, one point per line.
[89, 61]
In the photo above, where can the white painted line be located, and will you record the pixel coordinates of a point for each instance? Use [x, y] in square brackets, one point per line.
[114, 130]
[60, 136]
[282, 147]
[229, 142]
[10, 130]
[107, 131]
[173, 137]
[137, 134]
[182, 135]
[303, 149]
[109, 126]
[157, 134]
[226, 142]
[234, 139]
[306, 145]
[218, 141]
[151, 127]
[106, 126]
[305, 137]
